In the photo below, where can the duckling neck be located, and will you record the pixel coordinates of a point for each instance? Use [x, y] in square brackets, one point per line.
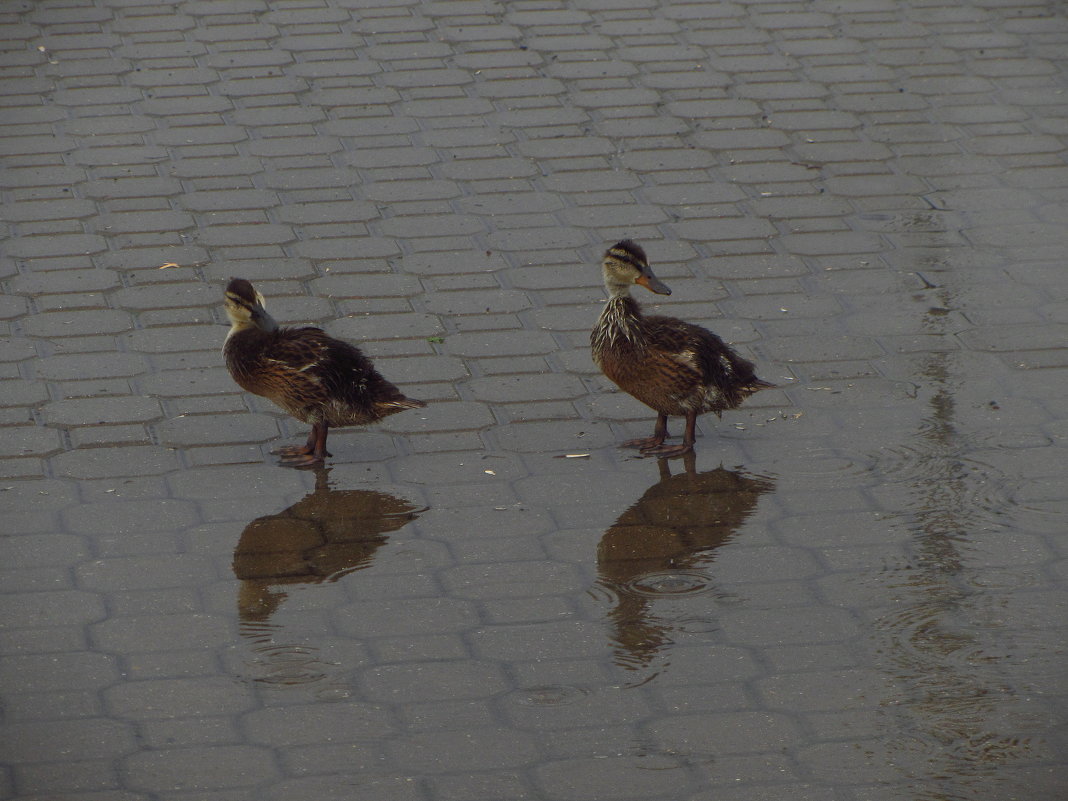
[263, 321]
[620, 325]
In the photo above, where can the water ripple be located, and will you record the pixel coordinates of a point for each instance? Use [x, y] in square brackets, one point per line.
[1040, 505]
[833, 462]
[550, 695]
[669, 584]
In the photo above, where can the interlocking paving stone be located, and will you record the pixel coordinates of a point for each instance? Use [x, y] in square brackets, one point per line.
[867, 199]
[169, 632]
[216, 430]
[89, 738]
[590, 778]
[200, 769]
[416, 616]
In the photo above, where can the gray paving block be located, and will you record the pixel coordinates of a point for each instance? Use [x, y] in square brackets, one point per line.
[29, 441]
[210, 429]
[184, 340]
[38, 673]
[88, 777]
[115, 462]
[555, 436]
[311, 724]
[16, 392]
[326, 788]
[433, 681]
[526, 389]
[30, 549]
[171, 733]
[182, 383]
[37, 247]
[91, 738]
[171, 698]
[151, 257]
[609, 776]
[200, 769]
[169, 632]
[437, 181]
[62, 607]
[406, 616]
[754, 731]
[145, 572]
[341, 249]
[487, 748]
[75, 323]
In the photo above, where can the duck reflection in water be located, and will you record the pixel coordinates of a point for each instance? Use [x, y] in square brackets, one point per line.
[322, 537]
[656, 550]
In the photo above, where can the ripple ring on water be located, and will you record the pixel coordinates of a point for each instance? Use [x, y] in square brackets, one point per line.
[669, 584]
[550, 695]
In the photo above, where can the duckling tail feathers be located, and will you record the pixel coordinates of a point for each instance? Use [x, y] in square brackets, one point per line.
[398, 405]
[751, 386]
[734, 394]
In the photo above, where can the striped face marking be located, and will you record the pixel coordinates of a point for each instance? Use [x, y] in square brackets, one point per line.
[629, 253]
[246, 307]
[235, 299]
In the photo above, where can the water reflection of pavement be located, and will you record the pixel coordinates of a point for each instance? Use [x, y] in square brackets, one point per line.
[662, 548]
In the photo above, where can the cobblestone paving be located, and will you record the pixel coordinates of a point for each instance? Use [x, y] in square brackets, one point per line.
[855, 593]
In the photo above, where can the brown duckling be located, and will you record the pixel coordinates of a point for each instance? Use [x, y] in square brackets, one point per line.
[672, 366]
[317, 379]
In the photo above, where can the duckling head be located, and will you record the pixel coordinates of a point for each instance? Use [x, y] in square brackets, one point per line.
[625, 263]
[246, 307]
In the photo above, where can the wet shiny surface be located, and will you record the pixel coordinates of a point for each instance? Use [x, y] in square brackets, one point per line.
[662, 548]
[855, 591]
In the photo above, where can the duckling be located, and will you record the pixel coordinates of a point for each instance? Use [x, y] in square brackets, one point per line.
[674, 367]
[315, 378]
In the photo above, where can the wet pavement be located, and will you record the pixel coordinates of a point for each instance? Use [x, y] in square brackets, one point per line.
[855, 592]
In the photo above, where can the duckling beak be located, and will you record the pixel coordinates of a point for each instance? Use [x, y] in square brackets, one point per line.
[262, 319]
[652, 283]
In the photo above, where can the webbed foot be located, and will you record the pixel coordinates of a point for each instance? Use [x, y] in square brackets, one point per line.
[643, 443]
[668, 451]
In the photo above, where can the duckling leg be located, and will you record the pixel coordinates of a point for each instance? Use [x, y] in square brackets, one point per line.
[311, 452]
[320, 451]
[688, 438]
[660, 433]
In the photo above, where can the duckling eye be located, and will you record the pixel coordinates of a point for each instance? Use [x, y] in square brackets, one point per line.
[237, 302]
[626, 262]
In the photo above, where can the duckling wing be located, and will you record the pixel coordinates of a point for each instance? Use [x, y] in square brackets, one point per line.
[291, 368]
[313, 353]
[338, 377]
[299, 350]
[312, 370]
[705, 355]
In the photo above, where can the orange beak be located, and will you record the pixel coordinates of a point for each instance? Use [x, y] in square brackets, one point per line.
[652, 283]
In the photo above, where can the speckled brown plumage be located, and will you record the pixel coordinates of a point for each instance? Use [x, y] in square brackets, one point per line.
[672, 366]
[315, 378]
